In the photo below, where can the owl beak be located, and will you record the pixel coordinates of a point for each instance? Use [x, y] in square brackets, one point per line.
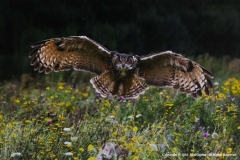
[123, 65]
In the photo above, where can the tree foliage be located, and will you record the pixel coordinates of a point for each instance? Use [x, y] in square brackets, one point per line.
[137, 26]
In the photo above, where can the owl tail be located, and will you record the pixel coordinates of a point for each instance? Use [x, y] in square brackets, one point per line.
[132, 88]
[105, 84]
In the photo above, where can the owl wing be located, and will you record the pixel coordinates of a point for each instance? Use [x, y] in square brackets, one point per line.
[77, 52]
[168, 69]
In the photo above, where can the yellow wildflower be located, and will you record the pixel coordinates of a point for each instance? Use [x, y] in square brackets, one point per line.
[2, 132]
[231, 108]
[68, 104]
[229, 150]
[220, 96]
[129, 146]
[60, 87]
[114, 113]
[140, 139]
[26, 102]
[52, 155]
[27, 121]
[85, 95]
[129, 104]
[134, 139]
[10, 126]
[114, 133]
[168, 104]
[81, 149]
[174, 149]
[91, 158]
[135, 158]
[17, 101]
[67, 91]
[135, 129]
[61, 117]
[221, 155]
[14, 135]
[90, 147]
[106, 103]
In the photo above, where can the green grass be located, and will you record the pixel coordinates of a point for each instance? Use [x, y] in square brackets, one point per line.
[43, 119]
[162, 123]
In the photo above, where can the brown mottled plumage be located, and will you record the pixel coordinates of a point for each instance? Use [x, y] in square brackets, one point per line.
[118, 73]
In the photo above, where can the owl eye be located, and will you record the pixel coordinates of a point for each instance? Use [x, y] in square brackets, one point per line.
[129, 61]
[117, 62]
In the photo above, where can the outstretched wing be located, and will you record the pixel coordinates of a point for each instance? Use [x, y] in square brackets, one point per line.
[168, 69]
[77, 52]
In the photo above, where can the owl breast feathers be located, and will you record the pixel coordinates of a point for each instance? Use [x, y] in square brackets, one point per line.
[118, 73]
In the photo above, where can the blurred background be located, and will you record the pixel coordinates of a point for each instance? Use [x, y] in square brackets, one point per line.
[206, 30]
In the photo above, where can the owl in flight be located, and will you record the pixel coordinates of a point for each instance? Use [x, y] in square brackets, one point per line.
[119, 73]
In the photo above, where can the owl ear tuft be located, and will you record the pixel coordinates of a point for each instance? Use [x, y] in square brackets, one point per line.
[113, 53]
[138, 57]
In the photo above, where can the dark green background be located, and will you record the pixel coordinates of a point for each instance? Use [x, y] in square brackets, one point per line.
[190, 27]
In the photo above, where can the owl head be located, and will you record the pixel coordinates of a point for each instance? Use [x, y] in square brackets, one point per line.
[123, 61]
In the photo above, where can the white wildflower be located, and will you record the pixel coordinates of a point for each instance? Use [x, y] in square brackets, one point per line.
[197, 119]
[215, 83]
[154, 147]
[114, 122]
[214, 135]
[112, 117]
[130, 117]
[139, 115]
[68, 143]
[68, 154]
[67, 129]
[16, 154]
[74, 139]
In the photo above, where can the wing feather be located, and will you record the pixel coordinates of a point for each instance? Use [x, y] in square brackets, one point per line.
[77, 52]
[168, 69]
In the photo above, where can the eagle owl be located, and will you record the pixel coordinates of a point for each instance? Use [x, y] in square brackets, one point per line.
[119, 73]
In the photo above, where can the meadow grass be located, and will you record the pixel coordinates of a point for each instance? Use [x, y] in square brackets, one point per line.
[63, 122]
[44, 119]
